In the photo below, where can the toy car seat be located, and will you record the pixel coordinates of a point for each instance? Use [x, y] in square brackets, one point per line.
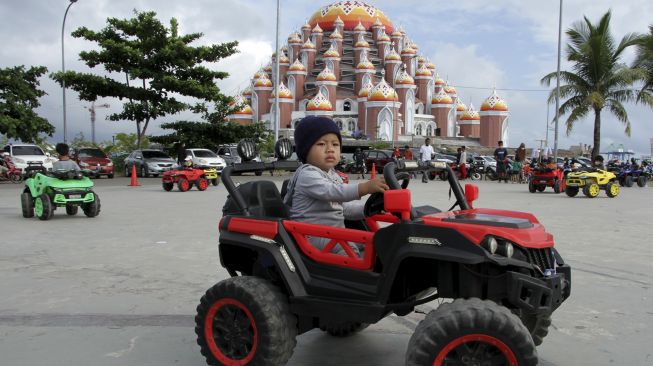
[262, 198]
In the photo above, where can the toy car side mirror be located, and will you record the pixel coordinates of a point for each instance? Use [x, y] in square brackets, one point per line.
[397, 201]
[471, 193]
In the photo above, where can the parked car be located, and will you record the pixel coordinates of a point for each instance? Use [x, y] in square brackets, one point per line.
[205, 158]
[94, 159]
[148, 163]
[488, 161]
[379, 157]
[230, 155]
[24, 154]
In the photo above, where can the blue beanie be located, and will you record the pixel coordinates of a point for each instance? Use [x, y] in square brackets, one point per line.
[309, 130]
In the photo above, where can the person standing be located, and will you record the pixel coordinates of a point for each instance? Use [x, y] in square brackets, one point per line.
[359, 161]
[462, 163]
[408, 153]
[520, 158]
[181, 154]
[501, 156]
[426, 153]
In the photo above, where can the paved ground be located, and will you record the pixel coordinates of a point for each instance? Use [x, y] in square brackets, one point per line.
[121, 289]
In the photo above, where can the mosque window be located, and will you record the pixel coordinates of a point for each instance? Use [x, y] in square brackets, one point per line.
[418, 130]
[339, 124]
[429, 131]
[351, 125]
[346, 106]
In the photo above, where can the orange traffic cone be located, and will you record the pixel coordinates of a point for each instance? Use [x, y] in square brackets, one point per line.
[134, 181]
[373, 171]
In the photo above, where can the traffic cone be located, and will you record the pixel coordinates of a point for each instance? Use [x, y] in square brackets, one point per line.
[134, 181]
[373, 171]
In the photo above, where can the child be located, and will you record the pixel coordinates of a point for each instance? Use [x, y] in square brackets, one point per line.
[64, 162]
[316, 193]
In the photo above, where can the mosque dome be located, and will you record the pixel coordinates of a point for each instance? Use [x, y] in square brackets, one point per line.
[284, 60]
[438, 80]
[430, 65]
[494, 103]
[460, 106]
[392, 56]
[326, 75]
[360, 27]
[247, 92]
[441, 98]
[245, 108]
[335, 35]
[470, 114]
[365, 90]
[382, 92]
[423, 71]
[317, 29]
[262, 83]
[450, 89]
[362, 43]
[404, 79]
[350, 13]
[383, 38]
[365, 64]
[408, 51]
[260, 74]
[297, 66]
[319, 103]
[268, 68]
[331, 53]
[294, 39]
[284, 92]
[308, 45]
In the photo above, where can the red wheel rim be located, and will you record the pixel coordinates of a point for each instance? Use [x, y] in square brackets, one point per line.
[210, 335]
[184, 185]
[507, 353]
[204, 184]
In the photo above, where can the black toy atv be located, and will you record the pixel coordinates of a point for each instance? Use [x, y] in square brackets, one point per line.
[500, 267]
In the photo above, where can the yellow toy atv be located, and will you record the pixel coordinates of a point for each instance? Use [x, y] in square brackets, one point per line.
[592, 182]
[212, 175]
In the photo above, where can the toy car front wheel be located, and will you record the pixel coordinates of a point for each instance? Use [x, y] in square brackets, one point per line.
[72, 210]
[641, 181]
[344, 329]
[202, 184]
[27, 204]
[168, 186]
[538, 326]
[183, 184]
[92, 209]
[215, 181]
[541, 187]
[471, 332]
[628, 181]
[245, 321]
[557, 186]
[591, 190]
[571, 191]
[43, 207]
[612, 189]
[531, 187]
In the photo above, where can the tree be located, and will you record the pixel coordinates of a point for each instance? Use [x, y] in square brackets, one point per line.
[157, 64]
[209, 135]
[19, 96]
[599, 80]
[644, 63]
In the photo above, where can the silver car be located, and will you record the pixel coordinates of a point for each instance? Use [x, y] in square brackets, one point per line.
[148, 163]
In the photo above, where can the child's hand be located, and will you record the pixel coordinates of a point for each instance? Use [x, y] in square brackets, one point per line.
[372, 186]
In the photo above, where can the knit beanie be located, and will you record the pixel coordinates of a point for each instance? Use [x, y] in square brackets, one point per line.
[309, 130]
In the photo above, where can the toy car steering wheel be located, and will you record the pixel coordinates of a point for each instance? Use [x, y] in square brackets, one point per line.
[374, 205]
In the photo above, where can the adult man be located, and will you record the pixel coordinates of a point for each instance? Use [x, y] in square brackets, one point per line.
[425, 155]
[500, 155]
[359, 161]
[462, 163]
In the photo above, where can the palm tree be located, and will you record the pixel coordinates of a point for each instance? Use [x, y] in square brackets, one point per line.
[644, 62]
[599, 80]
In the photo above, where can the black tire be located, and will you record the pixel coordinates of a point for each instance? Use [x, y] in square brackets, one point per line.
[167, 186]
[557, 186]
[183, 184]
[628, 181]
[46, 207]
[531, 187]
[621, 181]
[110, 176]
[215, 182]
[269, 330]
[612, 189]
[541, 187]
[202, 184]
[343, 329]
[72, 210]
[538, 326]
[258, 173]
[27, 204]
[571, 191]
[92, 209]
[641, 181]
[17, 178]
[459, 329]
[476, 176]
[444, 175]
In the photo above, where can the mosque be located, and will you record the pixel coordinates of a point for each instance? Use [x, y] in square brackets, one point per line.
[350, 63]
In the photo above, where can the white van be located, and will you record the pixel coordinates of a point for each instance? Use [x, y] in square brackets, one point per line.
[24, 154]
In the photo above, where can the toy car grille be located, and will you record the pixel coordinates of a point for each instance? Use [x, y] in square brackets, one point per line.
[542, 258]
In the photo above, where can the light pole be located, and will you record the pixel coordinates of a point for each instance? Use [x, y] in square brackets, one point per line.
[555, 144]
[277, 113]
[63, 70]
[92, 109]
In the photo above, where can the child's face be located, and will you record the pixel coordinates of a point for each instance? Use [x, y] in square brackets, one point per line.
[325, 152]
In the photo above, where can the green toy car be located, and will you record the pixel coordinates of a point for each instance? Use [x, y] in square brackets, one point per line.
[592, 182]
[45, 191]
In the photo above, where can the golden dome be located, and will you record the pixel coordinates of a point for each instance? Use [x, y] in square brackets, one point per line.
[365, 63]
[294, 39]
[262, 83]
[494, 103]
[335, 35]
[317, 29]
[378, 22]
[430, 65]
[297, 66]
[242, 105]
[319, 103]
[383, 38]
[460, 106]
[247, 92]
[360, 27]
[308, 45]
[260, 74]
[441, 98]
[470, 114]
[382, 92]
[284, 60]
[350, 13]
[404, 79]
[449, 89]
[423, 71]
[306, 25]
[408, 51]
[284, 92]
[392, 56]
[361, 43]
[421, 59]
[268, 68]
[438, 80]
[365, 90]
[331, 53]
[326, 75]
[397, 33]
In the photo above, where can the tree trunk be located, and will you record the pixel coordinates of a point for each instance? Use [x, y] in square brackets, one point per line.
[596, 150]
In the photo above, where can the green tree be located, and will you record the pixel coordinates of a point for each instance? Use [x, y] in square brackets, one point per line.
[80, 141]
[126, 142]
[209, 135]
[599, 79]
[19, 96]
[644, 63]
[157, 65]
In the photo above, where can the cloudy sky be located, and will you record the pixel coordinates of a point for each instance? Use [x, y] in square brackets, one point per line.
[476, 44]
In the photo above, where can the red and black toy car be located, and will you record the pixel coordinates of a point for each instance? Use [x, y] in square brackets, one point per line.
[185, 178]
[542, 177]
[500, 268]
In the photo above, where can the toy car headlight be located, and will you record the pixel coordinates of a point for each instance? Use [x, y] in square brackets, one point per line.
[491, 244]
[507, 249]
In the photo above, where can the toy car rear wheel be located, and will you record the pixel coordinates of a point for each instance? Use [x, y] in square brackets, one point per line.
[43, 207]
[245, 321]
[476, 176]
[628, 181]
[92, 209]
[215, 181]
[27, 204]
[591, 190]
[641, 181]
[531, 187]
[571, 191]
[343, 329]
[258, 173]
[612, 189]
[541, 187]
[557, 186]
[471, 332]
[202, 184]
[167, 186]
[538, 326]
[72, 209]
[183, 184]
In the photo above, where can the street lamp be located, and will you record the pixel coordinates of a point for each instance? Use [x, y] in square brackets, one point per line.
[63, 70]
[277, 113]
[92, 109]
[555, 144]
